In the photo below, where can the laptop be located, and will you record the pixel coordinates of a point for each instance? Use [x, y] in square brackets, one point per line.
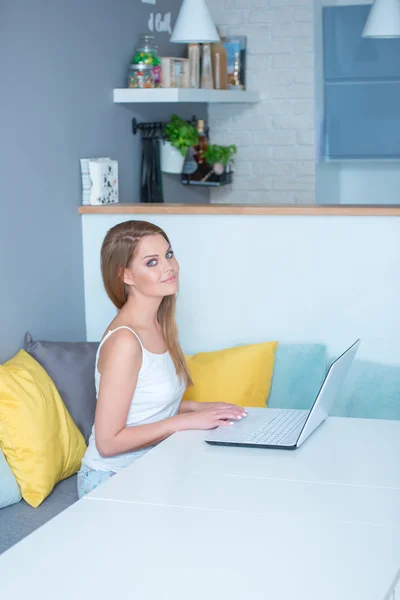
[286, 429]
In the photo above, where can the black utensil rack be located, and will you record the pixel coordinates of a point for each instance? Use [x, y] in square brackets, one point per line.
[155, 130]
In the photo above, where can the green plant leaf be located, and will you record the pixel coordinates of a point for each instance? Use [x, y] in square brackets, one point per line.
[219, 154]
[180, 134]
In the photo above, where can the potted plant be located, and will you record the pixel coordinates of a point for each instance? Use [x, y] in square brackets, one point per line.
[219, 158]
[179, 137]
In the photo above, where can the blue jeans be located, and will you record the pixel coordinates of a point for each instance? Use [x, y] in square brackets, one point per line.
[89, 479]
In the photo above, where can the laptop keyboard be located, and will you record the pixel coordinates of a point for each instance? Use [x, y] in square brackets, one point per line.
[278, 429]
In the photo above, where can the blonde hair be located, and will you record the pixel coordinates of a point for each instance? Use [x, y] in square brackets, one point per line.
[117, 251]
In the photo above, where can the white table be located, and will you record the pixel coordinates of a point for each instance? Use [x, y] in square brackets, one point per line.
[106, 550]
[347, 470]
[363, 452]
[191, 521]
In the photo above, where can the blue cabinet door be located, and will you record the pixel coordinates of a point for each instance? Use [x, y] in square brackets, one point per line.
[361, 88]
[348, 56]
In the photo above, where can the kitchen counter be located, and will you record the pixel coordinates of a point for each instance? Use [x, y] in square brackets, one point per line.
[242, 209]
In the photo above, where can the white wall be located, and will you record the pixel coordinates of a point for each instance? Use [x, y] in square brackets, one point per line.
[254, 278]
[275, 138]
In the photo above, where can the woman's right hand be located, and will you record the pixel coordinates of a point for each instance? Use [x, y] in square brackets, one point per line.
[210, 418]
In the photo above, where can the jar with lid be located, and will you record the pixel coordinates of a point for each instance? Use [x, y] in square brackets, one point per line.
[146, 53]
[140, 76]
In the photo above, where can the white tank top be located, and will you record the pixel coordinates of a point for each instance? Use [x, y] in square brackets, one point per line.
[157, 396]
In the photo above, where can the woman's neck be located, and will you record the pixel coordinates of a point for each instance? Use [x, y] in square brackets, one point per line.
[141, 311]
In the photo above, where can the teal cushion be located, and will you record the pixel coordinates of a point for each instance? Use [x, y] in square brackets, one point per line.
[370, 390]
[298, 375]
[9, 488]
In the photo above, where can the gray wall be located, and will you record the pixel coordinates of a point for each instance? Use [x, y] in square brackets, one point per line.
[59, 62]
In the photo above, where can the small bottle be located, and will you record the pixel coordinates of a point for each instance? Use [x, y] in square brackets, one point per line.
[203, 168]
[203, 141]
[236, 72]
[156, 67]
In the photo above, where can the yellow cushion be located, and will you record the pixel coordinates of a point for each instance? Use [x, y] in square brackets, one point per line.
[241, 375]
[41, 442]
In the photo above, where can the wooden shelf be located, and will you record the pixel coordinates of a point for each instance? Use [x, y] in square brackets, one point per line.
[160, 95]
[241, 209]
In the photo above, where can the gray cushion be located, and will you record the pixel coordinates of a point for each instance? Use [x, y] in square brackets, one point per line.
[19, 520]
[71, 367]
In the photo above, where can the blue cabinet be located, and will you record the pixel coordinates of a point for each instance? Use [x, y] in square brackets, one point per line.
[361, 88]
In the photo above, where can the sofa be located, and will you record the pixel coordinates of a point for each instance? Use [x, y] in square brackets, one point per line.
[371, 390]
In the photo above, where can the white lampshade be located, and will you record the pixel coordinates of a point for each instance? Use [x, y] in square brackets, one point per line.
[194, 24]
[383, 20]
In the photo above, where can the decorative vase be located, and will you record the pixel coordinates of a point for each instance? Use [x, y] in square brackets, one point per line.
[171, 159]
[103, 177]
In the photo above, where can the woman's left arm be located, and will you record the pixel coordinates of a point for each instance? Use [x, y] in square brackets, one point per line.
[188, 406]
[192, 406]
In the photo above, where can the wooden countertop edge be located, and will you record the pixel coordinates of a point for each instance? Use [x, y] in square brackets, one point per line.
[236, 209]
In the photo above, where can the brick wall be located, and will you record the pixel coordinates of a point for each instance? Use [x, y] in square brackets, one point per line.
[275, 138]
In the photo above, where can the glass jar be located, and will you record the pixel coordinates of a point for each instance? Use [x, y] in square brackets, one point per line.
[140, 77]
[146, 53]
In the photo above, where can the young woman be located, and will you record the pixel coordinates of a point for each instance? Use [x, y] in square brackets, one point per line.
[140, 372]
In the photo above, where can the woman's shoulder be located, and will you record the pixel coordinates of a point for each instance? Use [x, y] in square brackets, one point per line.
[121, 334]
[120, 344]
